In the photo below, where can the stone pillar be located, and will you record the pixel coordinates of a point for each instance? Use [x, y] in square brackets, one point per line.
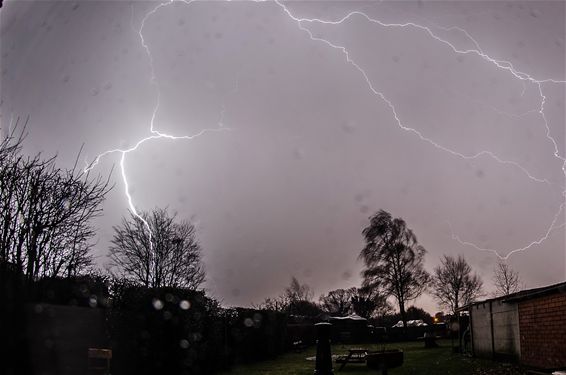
[323, 355]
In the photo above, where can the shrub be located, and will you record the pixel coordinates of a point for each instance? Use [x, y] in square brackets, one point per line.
[180, 331]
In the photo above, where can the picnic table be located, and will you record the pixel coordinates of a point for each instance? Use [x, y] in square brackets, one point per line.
[355, 355]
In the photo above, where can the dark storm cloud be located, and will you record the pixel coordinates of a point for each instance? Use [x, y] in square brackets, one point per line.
[311, 151]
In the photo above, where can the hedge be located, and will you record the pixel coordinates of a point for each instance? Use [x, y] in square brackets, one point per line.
[179, 331]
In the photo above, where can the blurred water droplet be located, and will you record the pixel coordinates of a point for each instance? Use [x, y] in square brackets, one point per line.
[298, 154]
[184, 343]
[248, 322]
[157, 304]
[535, 13]
[348, 127]
[185, 305]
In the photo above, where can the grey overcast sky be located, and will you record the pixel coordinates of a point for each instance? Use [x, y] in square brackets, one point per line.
[319, 137]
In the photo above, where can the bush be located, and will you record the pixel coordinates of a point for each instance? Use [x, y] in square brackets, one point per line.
[86, 291]
[180, 331]
[165, 330]
[255, 334]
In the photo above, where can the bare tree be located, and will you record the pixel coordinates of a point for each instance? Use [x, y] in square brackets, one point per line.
[45, 212]
[506, 280]
[338, 302]
[299, 298]
[453, 283]
[169, 255]
[298, 292]
[273, 304]
[394, 260]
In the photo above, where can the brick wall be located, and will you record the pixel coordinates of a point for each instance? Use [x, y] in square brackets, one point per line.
[542, 326]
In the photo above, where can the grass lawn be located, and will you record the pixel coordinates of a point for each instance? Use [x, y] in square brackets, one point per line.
[417, 360]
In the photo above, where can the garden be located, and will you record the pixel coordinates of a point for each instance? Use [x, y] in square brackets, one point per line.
[417, 360]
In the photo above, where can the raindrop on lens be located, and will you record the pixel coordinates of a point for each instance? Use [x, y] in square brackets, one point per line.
[184, 343]
[157, 304]
[185, 305]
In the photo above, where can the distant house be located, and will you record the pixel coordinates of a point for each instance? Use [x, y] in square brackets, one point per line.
[528, 326]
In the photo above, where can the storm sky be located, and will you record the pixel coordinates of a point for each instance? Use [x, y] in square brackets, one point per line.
[314, 138]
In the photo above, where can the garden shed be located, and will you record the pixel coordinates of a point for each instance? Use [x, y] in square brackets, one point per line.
[528, 327]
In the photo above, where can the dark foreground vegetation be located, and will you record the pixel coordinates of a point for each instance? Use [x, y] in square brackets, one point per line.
[150, 330]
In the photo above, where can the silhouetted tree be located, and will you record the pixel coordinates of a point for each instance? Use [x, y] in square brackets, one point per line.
[370, 303]
[413, 313]
[304, 308]
[273, 304]
[169, 255]
[299, 298]
[506, 280]
[338, 302]
[46, 212]
[454, 285]
[393, 259]
[297, 291]
[416, 313]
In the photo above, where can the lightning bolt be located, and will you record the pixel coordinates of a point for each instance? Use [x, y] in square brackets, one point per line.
[500, 64]
[154, 135]
[503, 65]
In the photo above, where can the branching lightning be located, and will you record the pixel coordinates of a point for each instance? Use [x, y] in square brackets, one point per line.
[503, 65]
[500, 64]
[155, 134]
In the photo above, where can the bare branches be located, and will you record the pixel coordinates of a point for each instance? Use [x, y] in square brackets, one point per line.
[338, 302]
[454, 285]
[297, 291]
[170, 256]
[45, 212]
[506, 280]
